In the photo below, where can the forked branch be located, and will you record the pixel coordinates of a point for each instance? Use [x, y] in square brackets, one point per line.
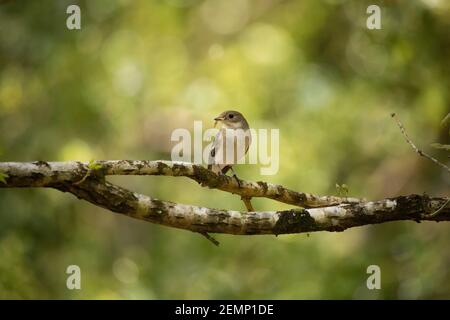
[314, 213]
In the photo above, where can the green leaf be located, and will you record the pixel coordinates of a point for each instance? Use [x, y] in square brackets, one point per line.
[3, 177]
[441, 146]
[94, 166]
[342, 190]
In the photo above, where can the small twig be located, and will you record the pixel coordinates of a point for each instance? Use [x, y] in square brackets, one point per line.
[88, 174]
[248, 204]
[417, 150]
[440, 209]
[93, 169]
[207, 236]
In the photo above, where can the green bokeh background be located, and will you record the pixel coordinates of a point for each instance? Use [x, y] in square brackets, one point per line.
[137, 70]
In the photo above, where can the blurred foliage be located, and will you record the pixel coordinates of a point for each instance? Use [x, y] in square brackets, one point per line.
[139, 69]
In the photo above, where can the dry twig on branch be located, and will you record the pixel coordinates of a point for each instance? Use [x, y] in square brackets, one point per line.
[414, 147]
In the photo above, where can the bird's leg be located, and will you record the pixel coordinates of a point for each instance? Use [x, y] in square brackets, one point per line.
[236, 177]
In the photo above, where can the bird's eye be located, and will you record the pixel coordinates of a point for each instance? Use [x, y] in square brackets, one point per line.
[231, 116]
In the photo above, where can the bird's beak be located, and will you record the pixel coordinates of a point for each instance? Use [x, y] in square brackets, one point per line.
[218, 119]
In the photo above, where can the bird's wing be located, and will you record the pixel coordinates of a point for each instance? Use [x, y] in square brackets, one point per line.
[218, 155]
[218, 141]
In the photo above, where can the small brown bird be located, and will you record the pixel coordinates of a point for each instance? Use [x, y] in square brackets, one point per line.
[231, 142]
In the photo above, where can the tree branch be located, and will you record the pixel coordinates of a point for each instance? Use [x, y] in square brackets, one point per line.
[414, 147]
[45, 174]
[66, 176]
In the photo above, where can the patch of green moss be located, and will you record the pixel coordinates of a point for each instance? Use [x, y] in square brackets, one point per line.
[294, 221]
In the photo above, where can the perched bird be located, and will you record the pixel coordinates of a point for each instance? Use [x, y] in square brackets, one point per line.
[231, 142]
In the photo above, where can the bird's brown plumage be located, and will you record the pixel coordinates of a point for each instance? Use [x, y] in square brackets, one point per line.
[235, 130]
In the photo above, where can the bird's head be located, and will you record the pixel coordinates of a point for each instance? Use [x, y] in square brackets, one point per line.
[231, 119]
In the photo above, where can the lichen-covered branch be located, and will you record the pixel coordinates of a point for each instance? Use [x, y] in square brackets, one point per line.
[44, 174]
[207, 220]
[66, 176]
